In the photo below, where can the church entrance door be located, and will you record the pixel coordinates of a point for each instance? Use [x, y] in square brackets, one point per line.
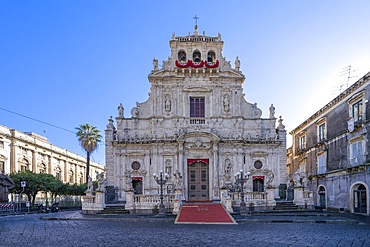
[198, 181]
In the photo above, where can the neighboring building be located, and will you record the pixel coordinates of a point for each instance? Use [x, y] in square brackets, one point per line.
[198, 128]
[28, 151]
[330, 153]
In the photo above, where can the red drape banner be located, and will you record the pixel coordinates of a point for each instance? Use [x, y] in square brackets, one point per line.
[191, 161]
[137, 179]
[258, 177]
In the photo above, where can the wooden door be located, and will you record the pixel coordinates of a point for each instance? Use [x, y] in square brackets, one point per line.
[198, 181]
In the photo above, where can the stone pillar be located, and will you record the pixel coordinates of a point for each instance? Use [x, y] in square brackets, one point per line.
[216, 173]
[34, 161]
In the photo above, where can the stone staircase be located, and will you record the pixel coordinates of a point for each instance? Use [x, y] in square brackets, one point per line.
[285, 206]
[114, 210]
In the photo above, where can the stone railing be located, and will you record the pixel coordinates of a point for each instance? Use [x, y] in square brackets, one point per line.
[88, 199]
[153, 199]
[250, 196]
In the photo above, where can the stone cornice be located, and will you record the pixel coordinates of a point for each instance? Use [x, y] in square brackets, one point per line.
[333, 103]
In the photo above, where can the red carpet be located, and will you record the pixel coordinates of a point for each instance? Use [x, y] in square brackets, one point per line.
[204, 213]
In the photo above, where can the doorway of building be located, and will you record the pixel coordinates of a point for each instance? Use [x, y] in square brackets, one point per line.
[360, 200]
[198, 181]
[322, 197]
[137, 185]
[258, 184]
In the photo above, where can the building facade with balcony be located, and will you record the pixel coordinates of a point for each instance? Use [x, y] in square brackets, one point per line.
[330, 151]
[21, 151]
[197, 127]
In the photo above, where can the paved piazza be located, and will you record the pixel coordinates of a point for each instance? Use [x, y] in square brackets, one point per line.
[72, 229]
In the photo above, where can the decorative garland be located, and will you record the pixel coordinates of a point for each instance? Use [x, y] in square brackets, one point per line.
[215, 65]
[182, 65]
[190, 63]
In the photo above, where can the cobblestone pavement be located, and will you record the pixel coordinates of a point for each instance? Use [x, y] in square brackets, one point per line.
[73, 229]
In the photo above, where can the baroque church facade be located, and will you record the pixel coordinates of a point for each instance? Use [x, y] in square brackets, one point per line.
[198, 130]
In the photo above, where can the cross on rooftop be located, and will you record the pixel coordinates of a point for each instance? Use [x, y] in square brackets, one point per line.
[196, 19]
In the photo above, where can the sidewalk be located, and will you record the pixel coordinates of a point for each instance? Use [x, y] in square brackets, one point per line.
[287, 217]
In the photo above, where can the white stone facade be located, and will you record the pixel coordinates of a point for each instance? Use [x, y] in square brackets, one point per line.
[28, 151]
[196, 113]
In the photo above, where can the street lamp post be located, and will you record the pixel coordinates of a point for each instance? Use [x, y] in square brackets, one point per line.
[240, 179]
[161, 179]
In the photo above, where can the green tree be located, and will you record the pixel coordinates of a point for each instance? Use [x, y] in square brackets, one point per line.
[34, 183]
[89, 138]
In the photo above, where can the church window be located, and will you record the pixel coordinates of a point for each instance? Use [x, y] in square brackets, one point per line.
[357, 111]
[182, 56]
[197, 107]
[302, 142]
[357, 153]
[321, 132]
[321, 159]
[1, 144]
[135, 165]
[196, 56]
[211, 57]
[258, 164]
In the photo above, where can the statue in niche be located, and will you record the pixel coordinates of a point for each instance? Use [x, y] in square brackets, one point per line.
[270, 178]
[120, 110]
[226, 102]
[155, 64]
[272, 111]
[178, 177]
[227, 170]
[167, 104]
[237, 63]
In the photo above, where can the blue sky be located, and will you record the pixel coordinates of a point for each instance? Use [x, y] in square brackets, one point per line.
[71, 62]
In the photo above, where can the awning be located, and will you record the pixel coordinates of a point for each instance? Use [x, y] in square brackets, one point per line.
[191, 161]
[258, 177]
[137, 178]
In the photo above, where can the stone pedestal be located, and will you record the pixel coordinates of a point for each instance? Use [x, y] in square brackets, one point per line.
[226, 200]
[130, 204]
[177, 201]
[271, 198]
[298, 197]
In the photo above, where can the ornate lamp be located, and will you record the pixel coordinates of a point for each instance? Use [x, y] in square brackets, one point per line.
[240, 179]
[161, 179]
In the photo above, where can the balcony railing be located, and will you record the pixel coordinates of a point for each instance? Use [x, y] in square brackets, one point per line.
[197, 121]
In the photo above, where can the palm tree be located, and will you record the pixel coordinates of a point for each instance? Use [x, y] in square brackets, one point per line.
[89, 137]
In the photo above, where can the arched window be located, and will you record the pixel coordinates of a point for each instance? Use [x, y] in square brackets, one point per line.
[182, 56]
[71, 177]
[58, 173]
[42, 168]
[81, 178]
[211, 57]
[197, 58]
[24, 165]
